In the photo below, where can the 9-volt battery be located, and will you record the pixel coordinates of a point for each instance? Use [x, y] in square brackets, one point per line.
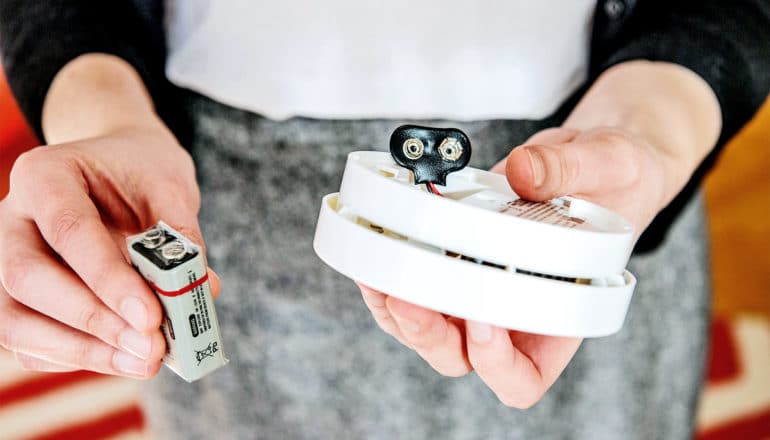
[174, 268]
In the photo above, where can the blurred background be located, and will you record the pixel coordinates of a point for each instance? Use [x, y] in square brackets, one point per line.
[735, 403]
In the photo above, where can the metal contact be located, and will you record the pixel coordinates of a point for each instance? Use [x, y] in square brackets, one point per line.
[450, 149]
[153, 238]
[174, 250]
[413, 148]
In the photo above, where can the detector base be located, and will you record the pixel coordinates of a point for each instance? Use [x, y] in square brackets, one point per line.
[426, 269]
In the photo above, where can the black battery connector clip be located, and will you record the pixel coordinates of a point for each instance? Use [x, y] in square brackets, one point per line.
[430, 153]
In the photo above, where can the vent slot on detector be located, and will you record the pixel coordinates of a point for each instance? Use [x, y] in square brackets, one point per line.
[455, 255]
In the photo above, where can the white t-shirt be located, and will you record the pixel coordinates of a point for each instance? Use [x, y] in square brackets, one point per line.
[451, 59]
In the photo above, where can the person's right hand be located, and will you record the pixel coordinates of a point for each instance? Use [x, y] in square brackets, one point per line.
[69, 298]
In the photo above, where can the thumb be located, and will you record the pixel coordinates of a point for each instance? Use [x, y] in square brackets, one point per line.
[543, 172]
[548, 136]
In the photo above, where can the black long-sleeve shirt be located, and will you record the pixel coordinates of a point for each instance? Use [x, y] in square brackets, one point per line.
[726, 43]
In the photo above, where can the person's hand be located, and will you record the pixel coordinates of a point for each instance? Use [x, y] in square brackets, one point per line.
[630, 145]
[69, 298]
[607, 166]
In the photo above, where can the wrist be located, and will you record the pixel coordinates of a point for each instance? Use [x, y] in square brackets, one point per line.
[93, 95]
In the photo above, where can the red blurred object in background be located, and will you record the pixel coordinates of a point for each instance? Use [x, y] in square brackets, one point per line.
[15, 135]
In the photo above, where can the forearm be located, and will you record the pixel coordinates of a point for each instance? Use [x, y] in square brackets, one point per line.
[664, 104]
[93, 95]
[39, 40]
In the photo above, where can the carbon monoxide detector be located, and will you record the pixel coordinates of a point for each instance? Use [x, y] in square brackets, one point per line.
[420, 225]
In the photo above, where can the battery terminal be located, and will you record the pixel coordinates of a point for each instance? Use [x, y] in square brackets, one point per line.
[173, 250]
[153, 238]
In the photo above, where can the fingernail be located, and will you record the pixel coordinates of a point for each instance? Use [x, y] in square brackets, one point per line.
[134, 311]
[538, 168]
[135, 343]
[407, 325]
[480, 333]
[129, 364]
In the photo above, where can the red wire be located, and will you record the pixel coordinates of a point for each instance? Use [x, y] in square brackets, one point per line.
[432, 188]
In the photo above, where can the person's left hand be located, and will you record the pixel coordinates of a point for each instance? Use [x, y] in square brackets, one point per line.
[607, 166]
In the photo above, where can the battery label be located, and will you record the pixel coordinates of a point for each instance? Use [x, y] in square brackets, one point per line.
[555, 212]
[207, 352]
[545, 212]
[200, 322]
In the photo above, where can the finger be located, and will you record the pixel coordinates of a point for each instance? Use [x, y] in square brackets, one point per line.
[214, 282]
[512, 374]
[375, 301]
[507, 372]
[32, 363]
[549, 136]
[70, 223]
[32, 334]
[551, 354]
[582, 166]
[32, 276]
[553, 135]
[438, 340]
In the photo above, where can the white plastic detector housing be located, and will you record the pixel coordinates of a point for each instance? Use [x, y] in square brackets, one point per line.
[480, 252]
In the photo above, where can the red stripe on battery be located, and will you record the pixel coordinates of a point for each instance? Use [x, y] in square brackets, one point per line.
[183, 290]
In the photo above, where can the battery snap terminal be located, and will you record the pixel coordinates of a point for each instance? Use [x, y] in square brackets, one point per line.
[430, 153]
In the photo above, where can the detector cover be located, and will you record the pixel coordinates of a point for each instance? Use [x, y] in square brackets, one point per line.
[480, 252]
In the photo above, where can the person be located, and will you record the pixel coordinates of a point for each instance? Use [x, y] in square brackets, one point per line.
[624, 103]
